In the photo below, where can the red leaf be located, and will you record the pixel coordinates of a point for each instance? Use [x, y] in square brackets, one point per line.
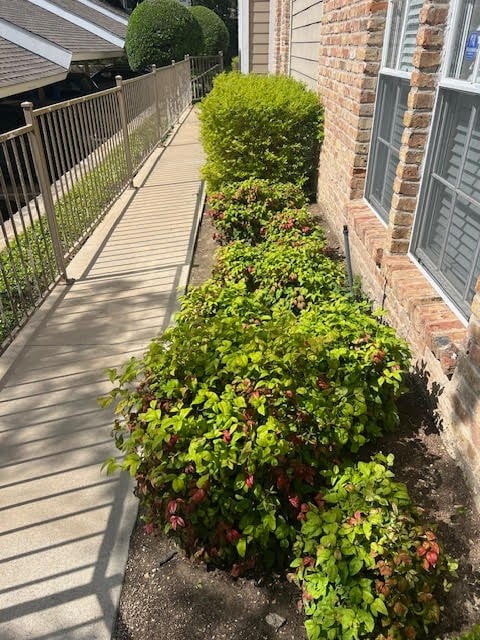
[249, 481]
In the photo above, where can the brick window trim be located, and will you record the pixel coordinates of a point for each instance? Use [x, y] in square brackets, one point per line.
[432, 324]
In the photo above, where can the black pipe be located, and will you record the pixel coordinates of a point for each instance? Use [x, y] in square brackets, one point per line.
[348, 259]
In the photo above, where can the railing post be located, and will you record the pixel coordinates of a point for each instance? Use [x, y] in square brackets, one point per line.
[220, 63]
[40, 163]
[157, 105]
[123, 118]
[172, 98]
[190, 93]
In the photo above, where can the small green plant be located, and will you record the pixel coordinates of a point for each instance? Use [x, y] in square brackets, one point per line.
[215, 33]
[260, 126]
[367, 565]
[160, 31]
[244, 211]
[474, 634]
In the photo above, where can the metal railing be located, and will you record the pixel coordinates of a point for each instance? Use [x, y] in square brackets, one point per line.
[203, 71]
[60, 173]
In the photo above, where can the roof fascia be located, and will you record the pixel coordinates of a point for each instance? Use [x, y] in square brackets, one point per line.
[88, 56]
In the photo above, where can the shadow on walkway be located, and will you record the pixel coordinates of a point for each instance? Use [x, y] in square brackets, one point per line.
[64, 525]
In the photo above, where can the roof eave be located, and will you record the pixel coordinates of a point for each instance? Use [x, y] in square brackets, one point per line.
[86, 56]
[20, 87]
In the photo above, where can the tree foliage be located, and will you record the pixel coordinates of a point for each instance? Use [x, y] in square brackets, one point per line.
[160, 31]
[215, 33]
[227, 10]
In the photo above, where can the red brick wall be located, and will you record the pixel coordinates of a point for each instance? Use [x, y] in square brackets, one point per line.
[350, 52]
[446, 352]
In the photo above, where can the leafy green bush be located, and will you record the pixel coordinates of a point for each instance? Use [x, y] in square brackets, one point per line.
[232, 422]
[244, 211]
[260, 126]
[215, 33]
[367, 565]
[294, 272]
[160, 31]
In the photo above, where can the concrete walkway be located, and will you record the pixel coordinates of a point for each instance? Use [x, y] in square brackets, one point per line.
[64, 525]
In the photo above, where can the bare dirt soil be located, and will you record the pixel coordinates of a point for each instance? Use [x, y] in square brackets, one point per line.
[166, 596]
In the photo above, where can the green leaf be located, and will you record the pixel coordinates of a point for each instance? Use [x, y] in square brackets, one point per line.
[203, 481]
[378, 607]
[110, 465]
[354, 566]
[242, 547]
[178, 484]
[367, 529]
[270, 521]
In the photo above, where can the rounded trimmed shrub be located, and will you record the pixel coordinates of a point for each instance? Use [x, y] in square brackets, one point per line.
[160, 31]
[260, 126]
[215, 33]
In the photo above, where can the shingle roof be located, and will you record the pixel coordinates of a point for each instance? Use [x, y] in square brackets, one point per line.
[51, 27]
[97, 17]
[112, 9]
[22, 66]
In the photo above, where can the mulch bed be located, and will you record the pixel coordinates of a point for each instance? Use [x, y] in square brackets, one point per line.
[166, 596]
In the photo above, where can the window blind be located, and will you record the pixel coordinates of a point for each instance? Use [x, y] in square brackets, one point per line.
[387, 135]
[409, 40]
[449, 241]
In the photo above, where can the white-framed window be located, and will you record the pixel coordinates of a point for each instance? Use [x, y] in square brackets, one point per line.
[446, 235]
[391, 103]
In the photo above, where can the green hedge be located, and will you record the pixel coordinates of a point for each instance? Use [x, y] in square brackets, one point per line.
[260, 126]
[160, 31]
[215, 33]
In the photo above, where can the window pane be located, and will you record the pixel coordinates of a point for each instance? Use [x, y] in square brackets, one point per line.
[440, 210]
[461, 247]
[466, 41]
[450, 214]
[449, 159]
[388, 130]
[393, 44]
[410, 35]
[470, 181]
[381, 159]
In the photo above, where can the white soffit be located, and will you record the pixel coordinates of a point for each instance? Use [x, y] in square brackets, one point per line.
[80, 22]
[36, 44]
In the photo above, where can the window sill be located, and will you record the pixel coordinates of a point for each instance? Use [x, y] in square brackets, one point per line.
[432, 324]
